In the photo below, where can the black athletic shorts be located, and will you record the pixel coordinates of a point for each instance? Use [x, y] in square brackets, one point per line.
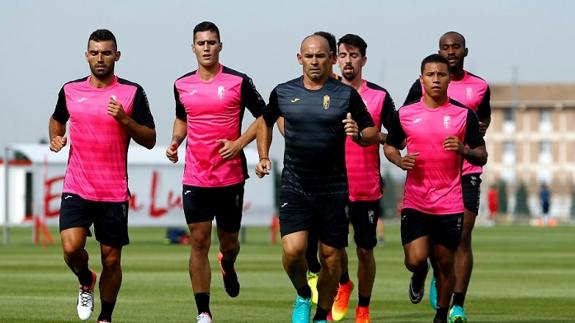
[327, 215]
[363, 216]
[442, 229]
[225, 204]
[471, 184]
[110, 219]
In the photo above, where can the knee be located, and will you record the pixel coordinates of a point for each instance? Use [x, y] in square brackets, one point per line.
[200, 242]
[364, 255]
[111, 261]
[415, 263]
[71, 251]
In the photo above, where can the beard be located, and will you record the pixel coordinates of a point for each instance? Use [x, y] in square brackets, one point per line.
[102, 73]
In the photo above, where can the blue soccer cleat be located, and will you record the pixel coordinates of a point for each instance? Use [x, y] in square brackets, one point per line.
[301, 310]
[457, 315]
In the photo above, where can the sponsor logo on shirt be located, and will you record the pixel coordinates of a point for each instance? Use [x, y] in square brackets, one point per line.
[469, 92]
[192, 92]
[294, 100]
[80, 100]
[284, 204]
[370, 216]
[446, 122]
[326, 102]
[418, 120]
[221, 92]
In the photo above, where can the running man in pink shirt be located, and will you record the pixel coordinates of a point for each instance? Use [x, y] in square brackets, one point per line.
[439, 134]
[104, 113]
[364, 180]
[210, 104]
[473, 92]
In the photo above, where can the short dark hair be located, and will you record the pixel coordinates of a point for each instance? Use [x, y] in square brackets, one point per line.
[434, 58]
[355, 41]
[330, 40]
[207, 26]
[103, 35]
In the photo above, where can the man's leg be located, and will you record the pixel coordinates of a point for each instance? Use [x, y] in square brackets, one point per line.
[313, 264]
[416, 253]
[444, 258]
[110, 280]
[199, 264]
[229, 250]
[463, 263]
[328, 281]
[295, 265]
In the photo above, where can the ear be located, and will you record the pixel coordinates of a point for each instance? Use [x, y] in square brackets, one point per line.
[363, 61]
[86, 55]
[299, 59]
[118, 54]
[466, 52]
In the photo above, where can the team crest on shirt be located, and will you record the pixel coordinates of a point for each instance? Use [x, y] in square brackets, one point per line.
[326, 102]
[446, 122]
[221, 92]
[469, 92]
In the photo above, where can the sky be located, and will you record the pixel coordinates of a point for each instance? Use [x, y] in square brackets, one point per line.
[43, 45]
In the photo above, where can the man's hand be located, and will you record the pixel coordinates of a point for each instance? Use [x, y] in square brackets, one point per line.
[408, 162]
[350, 127]
[172, 152]
[116, 110]
[264, 167]
[452, 143]
[57, 143]
[230, 149]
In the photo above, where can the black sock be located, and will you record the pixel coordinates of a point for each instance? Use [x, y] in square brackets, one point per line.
[364, 301]
[441, 314]
[203, 303]
[304, 291]
[458, 299]
[344, 278]
[106, 311]
[320, 314]
[85, 277]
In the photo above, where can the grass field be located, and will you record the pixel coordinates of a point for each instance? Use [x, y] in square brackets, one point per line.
[522, 274]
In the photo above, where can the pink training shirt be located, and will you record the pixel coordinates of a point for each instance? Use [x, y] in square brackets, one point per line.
[362, 163]
[97, 165]
[473, 92]
[433, 186]
[214, 110]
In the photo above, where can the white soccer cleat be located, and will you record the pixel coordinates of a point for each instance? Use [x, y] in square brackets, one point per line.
[204, 318]
[85, 304]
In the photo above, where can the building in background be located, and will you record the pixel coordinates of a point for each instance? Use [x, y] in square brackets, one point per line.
[531, 139]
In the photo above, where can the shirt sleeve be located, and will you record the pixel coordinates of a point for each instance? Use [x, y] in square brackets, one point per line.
[251, 97]
[473, 137]
[141, 112]
[272, 111]
[180, 110]
[61, 113]
[396, 135]
[415, 93]
[387, 111]
[484, 108]
[359, 112]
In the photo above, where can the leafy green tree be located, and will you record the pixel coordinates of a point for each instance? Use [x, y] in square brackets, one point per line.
[389, 196]
[502, 195]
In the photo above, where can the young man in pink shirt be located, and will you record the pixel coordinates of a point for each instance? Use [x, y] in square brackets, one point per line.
[473, 92]
[364, 179]
[210, 104]
[439, 134]
[105, 112]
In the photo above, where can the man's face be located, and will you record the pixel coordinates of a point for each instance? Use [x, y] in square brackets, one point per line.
[207, 48]
[102, 57]
[452, 47]
[350, 61]
[435, 79]
[315, 58]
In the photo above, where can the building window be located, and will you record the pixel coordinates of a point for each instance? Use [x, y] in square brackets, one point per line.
[509, 153]
[545, 152]
[545, 120]
[509, 120]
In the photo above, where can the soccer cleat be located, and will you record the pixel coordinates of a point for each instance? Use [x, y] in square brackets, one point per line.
[416, 292]
[341, 301]
[433, 293]
[457, 315]
[204, 318]
[312, 283]
[362, 314]
[231, 282]
[301, 310]
[85, 302]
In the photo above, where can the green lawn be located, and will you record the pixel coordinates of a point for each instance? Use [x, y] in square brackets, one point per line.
[522, 274]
